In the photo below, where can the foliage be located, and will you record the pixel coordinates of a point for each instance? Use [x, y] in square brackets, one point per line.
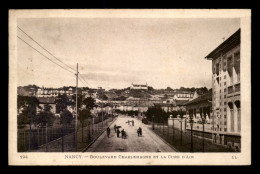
[62, 101]
[83, 115]
[45, 116]
[158, 113]
[28, 105]
[150, 88]
[130, 113]
[66, 117]
[89, 103]
[169, 89]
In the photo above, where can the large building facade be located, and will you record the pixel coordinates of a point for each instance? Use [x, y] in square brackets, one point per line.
[226, 91]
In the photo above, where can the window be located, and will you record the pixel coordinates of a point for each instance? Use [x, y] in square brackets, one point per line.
[224, 96]
[225, 116]
[225, 83]
[225, 129]
[225, 103]
[225, 109]
[224, 76]
[225, 123]
[225, 89]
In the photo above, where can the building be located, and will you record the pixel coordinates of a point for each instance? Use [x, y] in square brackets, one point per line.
[200, 108]
[226, 91]
[52, 92]
[139, 86]
[46, 101]
[183, 95]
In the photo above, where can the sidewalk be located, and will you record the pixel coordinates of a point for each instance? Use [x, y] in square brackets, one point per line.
[69, 140]
[184, 144]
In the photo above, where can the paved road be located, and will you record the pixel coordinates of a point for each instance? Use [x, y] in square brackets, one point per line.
[149, 142]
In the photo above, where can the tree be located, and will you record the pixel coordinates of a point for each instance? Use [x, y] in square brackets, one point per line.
[89, 103]
[157, 112]
[62, 101]
[169, 89]
[66, 117]
[79, 101]
[150, 88]
[28, 105]
[83, 115]
[45, 116]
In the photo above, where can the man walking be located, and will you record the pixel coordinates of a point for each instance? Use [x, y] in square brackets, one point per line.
[115, 128]
[118, 132]
[140, 130]
[108, 131]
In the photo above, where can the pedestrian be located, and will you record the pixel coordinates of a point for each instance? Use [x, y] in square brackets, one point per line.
[140, 130]
[123, 133]
[115, 128]
[133, 123]
[108, 131]
[118, 132]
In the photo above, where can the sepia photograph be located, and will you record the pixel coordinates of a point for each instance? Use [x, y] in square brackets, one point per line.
[129, 87]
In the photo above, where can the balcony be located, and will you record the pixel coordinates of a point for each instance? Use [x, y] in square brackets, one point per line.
[230, 89]
[233, 90]
[237, 87]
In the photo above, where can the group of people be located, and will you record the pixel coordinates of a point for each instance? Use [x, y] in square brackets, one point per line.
[123, 132]
[117, 131]
[139, 131]
[133, 123]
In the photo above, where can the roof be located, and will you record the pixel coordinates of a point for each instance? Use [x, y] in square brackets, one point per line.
[46, 100]
[228, 44]
[163, 104]
[181, 102]
[205, 97]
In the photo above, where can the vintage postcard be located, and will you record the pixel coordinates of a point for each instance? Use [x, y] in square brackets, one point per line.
[130, 87]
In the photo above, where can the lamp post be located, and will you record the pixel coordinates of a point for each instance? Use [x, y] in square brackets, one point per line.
[153, 121]
[89, 136]
[203, 122]
[181, 125]
[92, 124]
[191, 133]
[163, 125]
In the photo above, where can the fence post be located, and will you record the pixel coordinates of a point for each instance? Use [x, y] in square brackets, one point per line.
[38, 135]
[46, 137]
[181, 131]
[62, 140]
[29, 147]
[173, 130]
[24, 138]
[163, 126]
[42, 136]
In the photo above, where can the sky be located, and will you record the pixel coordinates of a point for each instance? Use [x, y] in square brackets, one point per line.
[114, 52]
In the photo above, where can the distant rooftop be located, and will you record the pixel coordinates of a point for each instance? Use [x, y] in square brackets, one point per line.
[204, 97]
